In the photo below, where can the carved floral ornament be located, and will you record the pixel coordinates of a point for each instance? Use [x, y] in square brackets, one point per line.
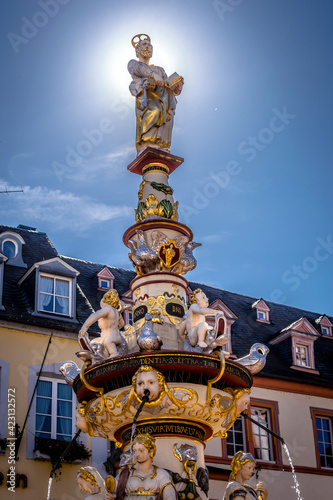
[104, 415]
[151, 206]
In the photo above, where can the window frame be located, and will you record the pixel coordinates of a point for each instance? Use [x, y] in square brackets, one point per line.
[299, 338]
[50, 372]
[108, 283]
[328, 331]
[298, 359]
[54, 408]
[273, 409]
[18, 242]
[43, 274]
[277, 462]
[11, 240]
[321, 413]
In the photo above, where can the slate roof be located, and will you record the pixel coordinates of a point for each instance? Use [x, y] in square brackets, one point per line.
[245, 331]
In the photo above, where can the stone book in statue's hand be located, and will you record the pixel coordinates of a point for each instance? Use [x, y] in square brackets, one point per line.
[173, 80]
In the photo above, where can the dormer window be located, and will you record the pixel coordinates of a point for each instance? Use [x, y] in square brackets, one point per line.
[262, 310]
[54, 282]
[303, 336]
[230, 317]
[105, 279]
[54, 294]
[326, 325]
[11, 246]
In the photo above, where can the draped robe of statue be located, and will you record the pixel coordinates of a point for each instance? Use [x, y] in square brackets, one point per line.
[235, 489]
[155, 120]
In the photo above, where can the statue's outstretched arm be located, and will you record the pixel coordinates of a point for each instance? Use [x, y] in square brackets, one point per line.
[206, 311]
[101, 313]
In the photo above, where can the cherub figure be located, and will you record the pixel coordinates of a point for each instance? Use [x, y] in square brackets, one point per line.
[195, 327]
[110, 320]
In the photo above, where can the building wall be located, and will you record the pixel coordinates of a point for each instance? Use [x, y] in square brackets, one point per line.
[295, 425]
[22, 349]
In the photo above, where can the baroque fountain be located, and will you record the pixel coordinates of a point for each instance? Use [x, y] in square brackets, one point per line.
[164, 387]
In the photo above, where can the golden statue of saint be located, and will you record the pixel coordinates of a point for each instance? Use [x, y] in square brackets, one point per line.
[155, 97]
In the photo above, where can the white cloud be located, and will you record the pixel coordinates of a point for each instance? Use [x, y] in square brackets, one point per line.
[58, 209]
[97, 166]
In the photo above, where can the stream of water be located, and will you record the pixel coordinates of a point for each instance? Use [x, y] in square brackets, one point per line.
[49, 488]
[296, 483]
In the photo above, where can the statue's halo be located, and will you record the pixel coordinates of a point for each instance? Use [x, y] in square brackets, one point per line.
[137, 39]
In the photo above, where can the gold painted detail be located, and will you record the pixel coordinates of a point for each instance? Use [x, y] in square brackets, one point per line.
[155, 167]
[110, 484]
[157, 306]
[152, 206]
[100, 390]
[169, 254]
[215, 379]
[87, 476]
[106, 415]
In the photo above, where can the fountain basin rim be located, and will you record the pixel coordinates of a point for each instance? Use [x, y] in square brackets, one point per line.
[176, 366]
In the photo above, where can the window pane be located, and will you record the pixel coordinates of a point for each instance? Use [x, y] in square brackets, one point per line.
[58, 398]
[9, 249]
[235, 438]
[65, 392]
[62, 288]
[325, 424]
[46, 284]
[43, 423]
[61, 305]
[64, 426]
[261, 440]
[64, 409]
[43, 405]
[44, 388]
[324, 441]
[45, 302]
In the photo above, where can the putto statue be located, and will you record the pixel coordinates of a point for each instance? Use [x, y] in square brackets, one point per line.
[155, 97]
[242, 469]
[110, 320]
[195, 331]
[144, 480]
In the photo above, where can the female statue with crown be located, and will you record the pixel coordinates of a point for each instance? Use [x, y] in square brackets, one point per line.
[242, 468]
[155, 97]
[143, 480]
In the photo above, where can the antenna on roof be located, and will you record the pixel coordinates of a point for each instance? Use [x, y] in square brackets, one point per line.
[7, 191]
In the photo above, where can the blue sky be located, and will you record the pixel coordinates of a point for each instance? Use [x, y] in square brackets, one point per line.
[253, 124]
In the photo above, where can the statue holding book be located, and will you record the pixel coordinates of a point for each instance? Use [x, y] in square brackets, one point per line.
[155, 95]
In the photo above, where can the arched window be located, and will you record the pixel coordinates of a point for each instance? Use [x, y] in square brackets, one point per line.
[9, 248]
